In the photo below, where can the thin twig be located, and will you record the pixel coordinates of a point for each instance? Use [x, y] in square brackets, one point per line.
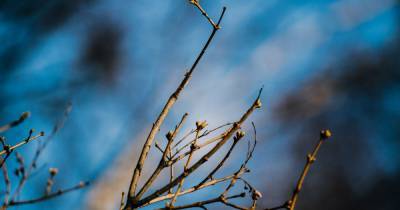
[204, 13]
[221, 163]
[171, 101]
[205, 133]
[7, 183]
[310, 160]
[192, 189]
[49, 196]
[22, 118]
[121, 206]
[291, 203]
[163, 160]
[25, 141]
[256, 104]
[185, 168]
[200, 204]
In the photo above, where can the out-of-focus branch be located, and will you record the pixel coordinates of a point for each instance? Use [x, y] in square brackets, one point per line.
[9, 149]
[22, 172]
[193, 189]
[41, 146]
[239, 135]
[6, 182]
[204, 13]
[49, 196]
[22, 118]
[122, 204]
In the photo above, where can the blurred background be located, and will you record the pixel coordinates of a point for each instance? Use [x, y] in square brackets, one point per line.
[323, 64]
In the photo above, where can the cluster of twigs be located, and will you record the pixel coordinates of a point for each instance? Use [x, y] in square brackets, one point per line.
[183, 150]
[174, 151]
[25, 171]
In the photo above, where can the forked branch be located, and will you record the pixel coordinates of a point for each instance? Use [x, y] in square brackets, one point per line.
[156, 125]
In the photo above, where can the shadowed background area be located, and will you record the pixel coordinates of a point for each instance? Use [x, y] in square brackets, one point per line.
[323, 64]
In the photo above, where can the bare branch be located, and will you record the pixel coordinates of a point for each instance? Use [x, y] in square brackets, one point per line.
[256, 104]
[163, 160]
[21, 119]
[200, 204]
[49, 196]
[25, 141]
[171, 101]
[291, 203]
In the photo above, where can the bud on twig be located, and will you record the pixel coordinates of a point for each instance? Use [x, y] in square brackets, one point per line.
[200, 125]
[325, 134]
[239, 135]
[2, 139]
[169, 135]
[53, 171]
[256, 195]
[82, 183]
[258, 103]
[24, 116]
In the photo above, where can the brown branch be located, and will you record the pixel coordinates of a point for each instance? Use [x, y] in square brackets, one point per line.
[59, 124]
[121, 206]
[22, 118]
[291, 203]
[25, 141]
[183, 138]
[3, 160]
[193, 148]
[163, 160]
[49, 196]
[201, 204]
[7, 183]
[192, 189]
[171, 101]
[41, 147]
[256, 104]
[225, 201]
[204, 13]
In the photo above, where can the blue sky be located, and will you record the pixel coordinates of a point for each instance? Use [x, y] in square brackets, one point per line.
[148, 46]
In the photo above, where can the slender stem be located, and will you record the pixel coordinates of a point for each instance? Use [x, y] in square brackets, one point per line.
[49, 196]
[199, 204]
[25, 141]
[7, 183]
[163, 160]
[21, 119]
[291, 203]
[41, 146]
[192, 189]
[171, 171]
[221, 163]
[200, 136]
[310, 160]
[171, 101]
[185, 168]
[121, 205]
